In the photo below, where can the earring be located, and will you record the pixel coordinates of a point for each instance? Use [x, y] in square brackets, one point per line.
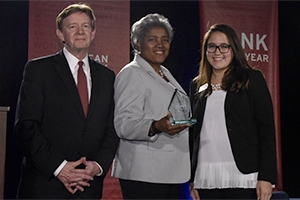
[137, 49]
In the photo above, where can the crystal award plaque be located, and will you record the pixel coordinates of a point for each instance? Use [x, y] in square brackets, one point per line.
[180, 109]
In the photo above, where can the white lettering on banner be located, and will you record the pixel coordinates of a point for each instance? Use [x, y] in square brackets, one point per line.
[46, 45]
[255, 45]
[260, 41]
[103, 59]
[257, 57]
[250, 42]
[245, 39]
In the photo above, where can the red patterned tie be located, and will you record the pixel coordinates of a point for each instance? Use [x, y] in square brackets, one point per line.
[82, 88]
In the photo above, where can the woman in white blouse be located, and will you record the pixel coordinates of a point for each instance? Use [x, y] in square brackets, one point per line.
[233, 142]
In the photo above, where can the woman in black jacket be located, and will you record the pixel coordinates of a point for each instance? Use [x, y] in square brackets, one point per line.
[233, 142]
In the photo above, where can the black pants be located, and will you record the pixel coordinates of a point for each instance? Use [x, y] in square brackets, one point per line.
[231, 193]
[144, 190]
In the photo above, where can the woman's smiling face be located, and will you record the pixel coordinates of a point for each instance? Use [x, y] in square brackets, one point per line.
[155, 46]
[219, 61]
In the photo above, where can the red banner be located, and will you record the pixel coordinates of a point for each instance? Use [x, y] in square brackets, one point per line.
[110, 46]
[256, 22]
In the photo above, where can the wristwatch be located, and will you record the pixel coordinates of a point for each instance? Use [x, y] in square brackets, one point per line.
[154, 130]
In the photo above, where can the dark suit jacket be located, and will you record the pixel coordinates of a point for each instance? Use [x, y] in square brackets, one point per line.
[250, 126]
[51, 126]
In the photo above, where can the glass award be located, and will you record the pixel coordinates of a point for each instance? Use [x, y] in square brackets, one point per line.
[180, 109]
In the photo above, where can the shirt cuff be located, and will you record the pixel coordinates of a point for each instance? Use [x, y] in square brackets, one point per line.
[101, 170]
[60, 168]
[65, 162]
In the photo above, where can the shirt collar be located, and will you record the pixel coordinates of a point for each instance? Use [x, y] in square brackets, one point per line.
[73, 61]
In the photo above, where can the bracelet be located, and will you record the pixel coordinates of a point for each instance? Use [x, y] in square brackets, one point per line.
[154, 129]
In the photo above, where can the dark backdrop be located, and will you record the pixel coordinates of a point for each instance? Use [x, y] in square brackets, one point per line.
[182, 62]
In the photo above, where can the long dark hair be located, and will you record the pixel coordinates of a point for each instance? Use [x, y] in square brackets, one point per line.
[236, 77]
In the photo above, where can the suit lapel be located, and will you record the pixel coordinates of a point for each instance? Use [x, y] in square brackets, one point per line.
[199, 107]
[198, 113]
[200, 102]
[147, 67]
[172, 80]
[63, 70]
[230, 100]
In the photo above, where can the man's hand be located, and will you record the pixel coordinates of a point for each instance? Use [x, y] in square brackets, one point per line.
[66, 175]
[90, 170]
[83, 176]
[76, 179]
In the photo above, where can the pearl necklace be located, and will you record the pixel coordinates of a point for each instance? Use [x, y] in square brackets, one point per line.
[161, 73]
[216, 87]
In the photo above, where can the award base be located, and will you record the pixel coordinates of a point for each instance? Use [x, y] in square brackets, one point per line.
[179, 122]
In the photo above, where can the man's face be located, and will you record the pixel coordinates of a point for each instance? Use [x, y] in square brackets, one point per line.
[77, 32]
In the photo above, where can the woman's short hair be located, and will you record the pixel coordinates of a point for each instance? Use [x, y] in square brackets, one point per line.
[140, 28]
[74, 8]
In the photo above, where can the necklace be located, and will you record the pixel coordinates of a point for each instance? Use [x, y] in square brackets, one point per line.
[161, 73]
[216, 87]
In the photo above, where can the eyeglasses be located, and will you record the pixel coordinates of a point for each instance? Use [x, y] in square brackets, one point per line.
[223, 48]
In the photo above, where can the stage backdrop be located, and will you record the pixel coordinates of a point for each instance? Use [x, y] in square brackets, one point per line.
[110, 46]
[256, 22]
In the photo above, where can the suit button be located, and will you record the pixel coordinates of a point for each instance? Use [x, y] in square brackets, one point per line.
[229, 129]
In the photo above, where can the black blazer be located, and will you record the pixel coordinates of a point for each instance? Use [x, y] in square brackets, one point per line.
[250, 126]
[51, 126]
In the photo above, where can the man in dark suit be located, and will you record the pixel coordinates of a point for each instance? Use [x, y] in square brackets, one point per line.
[69, 142]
